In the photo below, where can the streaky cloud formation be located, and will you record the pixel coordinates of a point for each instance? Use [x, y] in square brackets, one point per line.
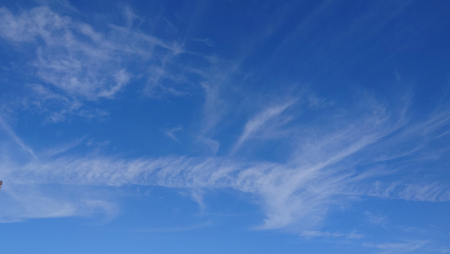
[78, 62]
[254, 124]
[402, 247]
[237, 122]
[298, 192]
[352, 235]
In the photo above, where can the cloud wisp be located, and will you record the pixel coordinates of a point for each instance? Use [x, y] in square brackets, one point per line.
[352, 235]
[296, 194]
[75, 63]
[298, 157]
[398, 247]
[254, 124]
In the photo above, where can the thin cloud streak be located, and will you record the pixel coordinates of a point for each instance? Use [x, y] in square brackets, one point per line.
[171, 132]
[352, 235]
[397, 247]
[22, 202]
[77, 63]
[254, 124]
[295, 194]
[331, 167]
[16, 139]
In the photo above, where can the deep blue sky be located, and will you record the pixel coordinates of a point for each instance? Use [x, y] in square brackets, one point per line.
[224, 126]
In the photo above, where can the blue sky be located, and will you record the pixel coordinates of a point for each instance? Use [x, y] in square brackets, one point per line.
[225, 126]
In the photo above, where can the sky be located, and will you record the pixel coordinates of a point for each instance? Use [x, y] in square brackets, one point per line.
[225, 126]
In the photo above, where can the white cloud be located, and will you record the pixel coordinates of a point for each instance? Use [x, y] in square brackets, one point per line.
[375, 219]
[216, 80]
[294, 194]
[174, 229]
[16, 139]
[171, 132]
[28, 25]
[433, 192]
[79, 63]
[397, 247]
[254, 124]
[352, 235]
[22, 201]
[299, 191]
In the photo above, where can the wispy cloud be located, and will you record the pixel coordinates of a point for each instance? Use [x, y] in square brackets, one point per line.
[206, 41]
[397, 247]
[422, 191]
[215, 106]
[171, 132]
[174, 229]
[352, 235]
[79, 63]
[334, 156]
[376, 219]
[295, 194]
[16, 139]
[23, 202]
[254, 124]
